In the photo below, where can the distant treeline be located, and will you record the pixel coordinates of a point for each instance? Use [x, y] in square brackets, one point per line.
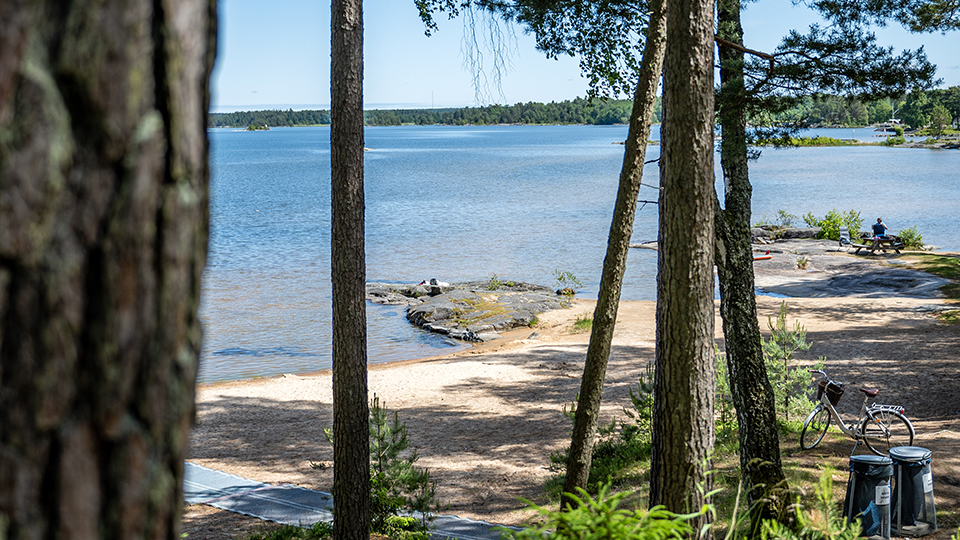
[287, 118]
[578, 111]
[916, 109]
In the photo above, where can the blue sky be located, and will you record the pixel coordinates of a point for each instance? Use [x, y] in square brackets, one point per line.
[277, 55]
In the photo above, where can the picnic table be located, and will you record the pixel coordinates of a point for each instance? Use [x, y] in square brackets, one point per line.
[883, 243]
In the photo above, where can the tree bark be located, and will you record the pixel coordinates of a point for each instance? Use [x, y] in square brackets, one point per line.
[351, 439]
[103, 238]
[750, 388]
[615, 263]
[683, 426]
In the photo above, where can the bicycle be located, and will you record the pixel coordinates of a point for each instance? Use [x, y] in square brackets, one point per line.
[880, 427]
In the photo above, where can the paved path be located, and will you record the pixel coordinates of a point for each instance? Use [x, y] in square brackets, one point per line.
[294, 505]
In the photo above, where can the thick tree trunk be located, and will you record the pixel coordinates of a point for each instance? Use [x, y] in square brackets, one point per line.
[683, 383]
[103, 238]
[615, 263]
[351, 440]
[751, 391]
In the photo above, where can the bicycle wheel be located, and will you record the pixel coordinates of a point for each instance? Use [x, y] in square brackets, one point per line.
[887, 429]
[815, 427]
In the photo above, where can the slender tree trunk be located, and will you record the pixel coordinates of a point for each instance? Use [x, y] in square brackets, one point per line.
[615, 263]
[351, 440]
[683, 426]
[750, 388]
[103, 238]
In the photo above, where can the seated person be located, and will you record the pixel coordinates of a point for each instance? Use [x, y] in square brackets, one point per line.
[879, 229]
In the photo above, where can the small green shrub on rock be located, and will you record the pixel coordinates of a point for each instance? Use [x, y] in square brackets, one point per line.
[893, 141]
[567, 282]
[831, 223]
[911, 237]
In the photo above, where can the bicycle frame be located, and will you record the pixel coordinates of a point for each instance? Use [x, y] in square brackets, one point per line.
[852, 430]
[866, 411]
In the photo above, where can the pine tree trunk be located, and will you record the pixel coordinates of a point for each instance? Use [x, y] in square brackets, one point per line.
[351, 440]
[683, 427]
[103, 238]
[751, 391]
[615, 263]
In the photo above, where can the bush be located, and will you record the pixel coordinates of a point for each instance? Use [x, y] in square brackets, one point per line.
[831, 223]
[567, 283]
[600, 519]
[396, 485]
[892, 141]
[820, 523]
[619, 447]
[319, 531]
[911, 237]
[786, 219]
[788, 381]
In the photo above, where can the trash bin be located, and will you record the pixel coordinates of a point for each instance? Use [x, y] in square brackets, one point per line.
[868, 494]
[914, 513]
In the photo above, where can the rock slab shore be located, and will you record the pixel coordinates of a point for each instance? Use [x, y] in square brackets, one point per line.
[472, 311]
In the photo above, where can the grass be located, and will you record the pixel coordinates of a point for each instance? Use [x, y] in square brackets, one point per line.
[582, 324]
[945, 266]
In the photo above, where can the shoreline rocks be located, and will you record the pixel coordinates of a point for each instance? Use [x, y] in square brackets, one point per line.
[473, 311]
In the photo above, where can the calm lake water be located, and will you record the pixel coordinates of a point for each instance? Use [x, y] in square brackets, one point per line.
[467, 203]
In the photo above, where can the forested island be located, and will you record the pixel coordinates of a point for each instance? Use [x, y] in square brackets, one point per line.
[916, 109]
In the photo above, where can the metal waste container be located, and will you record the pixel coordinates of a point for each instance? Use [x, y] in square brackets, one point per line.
[914, 513]
[868, 494]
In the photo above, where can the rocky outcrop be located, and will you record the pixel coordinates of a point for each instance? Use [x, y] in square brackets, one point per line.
[476, 311]
[768, 233]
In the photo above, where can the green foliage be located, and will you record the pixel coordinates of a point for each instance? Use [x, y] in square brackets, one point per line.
[582, 324]
[809, 141]
[893, 141]
[949, 317]
[824, 522]
[940, 119]
[827, 110]
[726, 418]
[802, 262]
[945, 266]
[788, 381]
[494, 284]
[620, 448]
[641, 431]
[911, 237]
[898, 131]
[601, 518]
[567, 282]
[785, 219]
[577, 111]
[831, 223]
[396, 485]
[278, 118]
[319, 531]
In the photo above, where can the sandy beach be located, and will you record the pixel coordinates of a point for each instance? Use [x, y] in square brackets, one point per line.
[485, 420]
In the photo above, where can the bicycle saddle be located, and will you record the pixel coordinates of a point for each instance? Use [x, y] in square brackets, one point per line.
[872, 392]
